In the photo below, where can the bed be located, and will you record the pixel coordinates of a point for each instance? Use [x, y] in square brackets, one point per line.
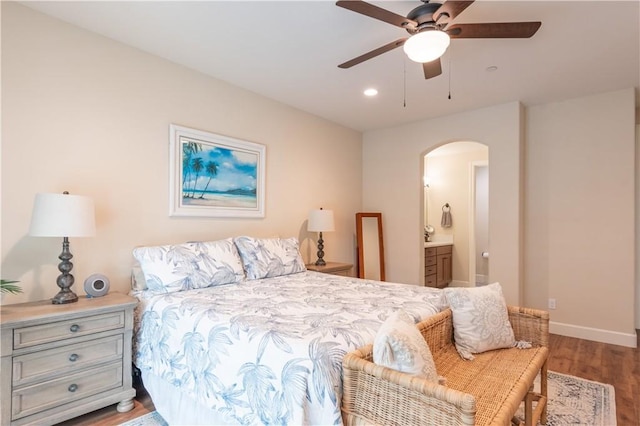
[237, 331]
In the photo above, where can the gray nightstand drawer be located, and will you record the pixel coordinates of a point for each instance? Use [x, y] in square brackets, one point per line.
[67, 359]
[33, 399]
[39, 334]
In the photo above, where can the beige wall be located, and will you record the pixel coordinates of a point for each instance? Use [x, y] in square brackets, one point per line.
[89, 115]
[579, 188]
[580, 219]
[392, 184]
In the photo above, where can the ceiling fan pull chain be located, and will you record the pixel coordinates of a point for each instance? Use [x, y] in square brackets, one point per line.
[404, 82]
[450, 50]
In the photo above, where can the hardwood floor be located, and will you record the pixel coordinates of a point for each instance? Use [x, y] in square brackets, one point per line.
[616, 365]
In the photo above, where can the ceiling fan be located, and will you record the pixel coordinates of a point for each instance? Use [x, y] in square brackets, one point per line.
[430, 31]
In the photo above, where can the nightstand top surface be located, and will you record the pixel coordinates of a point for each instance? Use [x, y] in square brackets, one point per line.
[329, 267]
[10, 314]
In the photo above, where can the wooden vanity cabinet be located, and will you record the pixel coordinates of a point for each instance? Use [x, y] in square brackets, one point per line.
[438, 266]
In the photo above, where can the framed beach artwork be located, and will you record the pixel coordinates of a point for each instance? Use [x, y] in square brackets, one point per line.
[215, 176]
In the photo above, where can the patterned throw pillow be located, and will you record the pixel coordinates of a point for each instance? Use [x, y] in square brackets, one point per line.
[480, 319]
[172, 268]
[399, 345]
[269, 257]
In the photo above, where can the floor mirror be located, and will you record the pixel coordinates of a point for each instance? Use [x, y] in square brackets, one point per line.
[370, 246]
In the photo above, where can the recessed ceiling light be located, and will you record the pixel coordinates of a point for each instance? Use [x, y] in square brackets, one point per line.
[371, 92]
[492, 68]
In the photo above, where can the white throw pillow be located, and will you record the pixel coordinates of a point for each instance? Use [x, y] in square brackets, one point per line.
[399, 345]
[480, 319]
[187, 266]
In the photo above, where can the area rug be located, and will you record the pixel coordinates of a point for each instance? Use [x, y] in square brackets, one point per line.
[572, 401]
[577, 401]
[149, 419]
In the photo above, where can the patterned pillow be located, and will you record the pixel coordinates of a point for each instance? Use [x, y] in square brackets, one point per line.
[480, 319]
[399, 345]
[172, 268]
[269, 257]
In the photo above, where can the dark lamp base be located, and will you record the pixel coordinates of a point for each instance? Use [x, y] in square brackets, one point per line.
[64, 297]
[65, 279]
[320, 261]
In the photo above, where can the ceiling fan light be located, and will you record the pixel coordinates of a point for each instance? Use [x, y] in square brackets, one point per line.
[427, 46]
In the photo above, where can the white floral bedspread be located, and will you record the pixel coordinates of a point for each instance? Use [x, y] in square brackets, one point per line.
[269, 351]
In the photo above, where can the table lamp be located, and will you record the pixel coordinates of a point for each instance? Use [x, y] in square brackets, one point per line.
[63, 215]
[320, 221]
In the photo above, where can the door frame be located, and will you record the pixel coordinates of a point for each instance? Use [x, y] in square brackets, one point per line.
[473, 166]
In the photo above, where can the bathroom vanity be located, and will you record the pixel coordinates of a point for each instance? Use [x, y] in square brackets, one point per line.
[437, 264]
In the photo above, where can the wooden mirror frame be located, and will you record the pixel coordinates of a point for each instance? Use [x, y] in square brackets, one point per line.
[361, 247]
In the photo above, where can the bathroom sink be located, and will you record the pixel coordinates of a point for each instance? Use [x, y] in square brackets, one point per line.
[437, 244]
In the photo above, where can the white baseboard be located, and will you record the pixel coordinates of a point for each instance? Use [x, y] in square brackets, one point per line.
[598, 335]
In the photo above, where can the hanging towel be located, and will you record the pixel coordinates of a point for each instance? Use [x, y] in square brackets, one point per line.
[446, 216]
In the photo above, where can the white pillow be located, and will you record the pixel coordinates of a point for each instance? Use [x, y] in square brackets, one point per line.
[172, 268]
[269, 257]
[480, 319]
[399, 345]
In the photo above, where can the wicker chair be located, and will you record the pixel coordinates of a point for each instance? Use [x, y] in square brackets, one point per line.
[485, 391]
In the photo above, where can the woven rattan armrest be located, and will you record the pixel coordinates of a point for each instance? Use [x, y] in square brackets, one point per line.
[530, 325]
[380, 395]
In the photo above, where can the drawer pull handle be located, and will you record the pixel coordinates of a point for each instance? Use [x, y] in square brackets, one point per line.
[73, 357]
[74, 328]
[73, 387]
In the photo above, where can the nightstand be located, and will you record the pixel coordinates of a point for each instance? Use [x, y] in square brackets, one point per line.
[333, 268]
[61, 361]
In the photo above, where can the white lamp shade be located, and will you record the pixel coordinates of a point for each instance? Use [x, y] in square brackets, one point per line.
[427, 46]
[62, 215]
[320, 221]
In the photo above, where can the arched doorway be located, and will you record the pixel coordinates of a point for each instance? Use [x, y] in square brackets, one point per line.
[456, 175]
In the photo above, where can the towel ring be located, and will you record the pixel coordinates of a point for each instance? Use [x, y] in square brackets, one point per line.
[447, 207]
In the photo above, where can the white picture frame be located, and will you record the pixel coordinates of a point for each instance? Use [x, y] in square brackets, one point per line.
[212, 175]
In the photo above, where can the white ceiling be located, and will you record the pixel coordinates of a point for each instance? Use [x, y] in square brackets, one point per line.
[289, 51]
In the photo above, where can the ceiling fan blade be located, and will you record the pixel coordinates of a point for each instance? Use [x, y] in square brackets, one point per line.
[432, 69]
[374, 53]
[449, 10]
[377, 13]
[495, 30]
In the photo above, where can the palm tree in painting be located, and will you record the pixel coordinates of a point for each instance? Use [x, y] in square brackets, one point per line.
[197, 165]
[211, 170]
[188, 149]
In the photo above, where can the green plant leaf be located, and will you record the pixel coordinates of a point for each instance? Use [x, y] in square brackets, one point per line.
[7, 286]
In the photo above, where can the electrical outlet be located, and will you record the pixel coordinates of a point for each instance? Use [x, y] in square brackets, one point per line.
[552, 303]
